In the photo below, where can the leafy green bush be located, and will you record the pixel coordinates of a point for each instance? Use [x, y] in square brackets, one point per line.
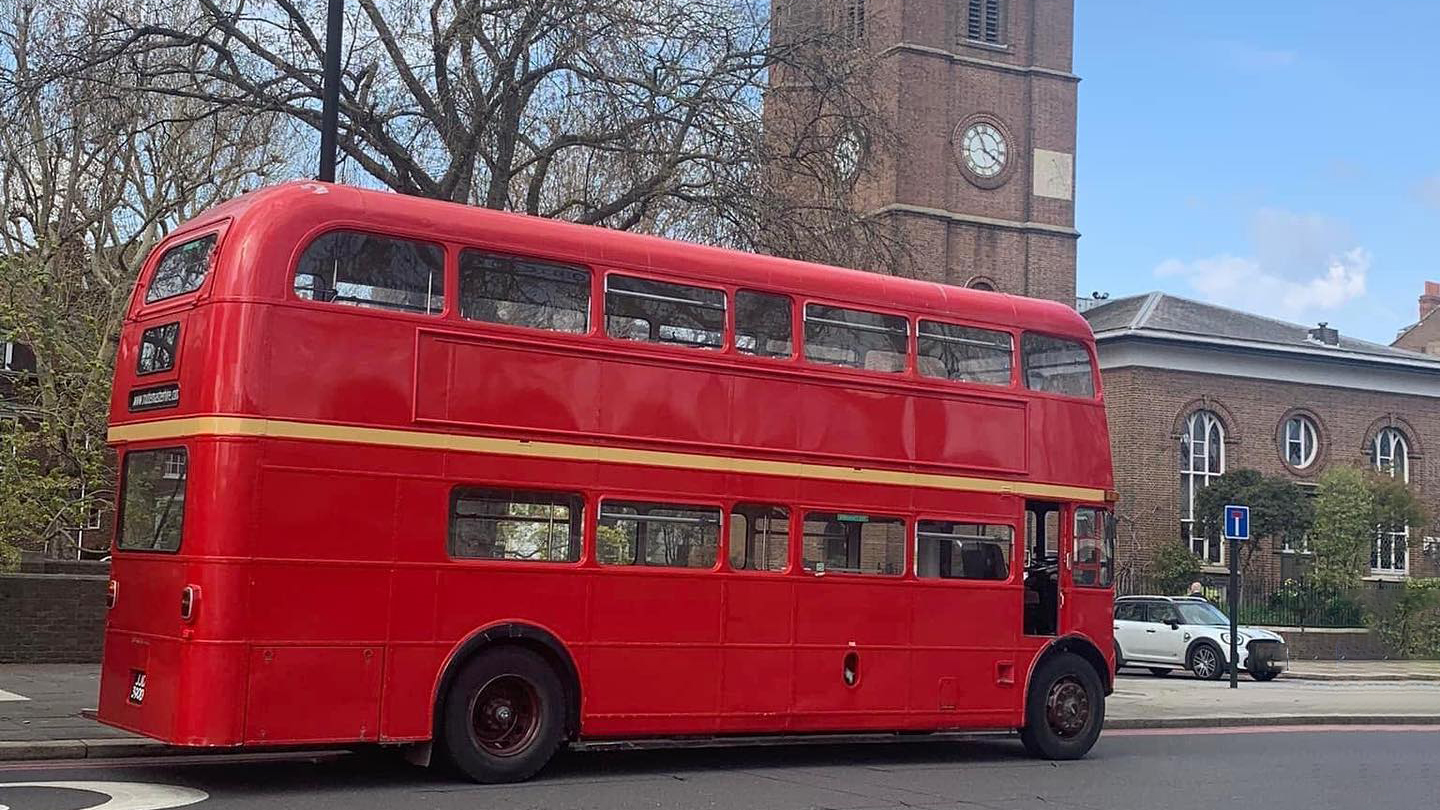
[1411, 625]
[1174, 568]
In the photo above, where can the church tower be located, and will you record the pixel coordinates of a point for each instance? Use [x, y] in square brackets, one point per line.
[978, 180]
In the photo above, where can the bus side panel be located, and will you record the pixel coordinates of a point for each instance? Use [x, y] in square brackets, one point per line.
[313, 694]
[654, 657]
[840, 615]
[965, 657]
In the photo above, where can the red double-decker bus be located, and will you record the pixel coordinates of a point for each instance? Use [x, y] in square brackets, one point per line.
[402, 471]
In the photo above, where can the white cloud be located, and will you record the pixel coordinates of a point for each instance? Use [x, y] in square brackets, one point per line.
[1302, 265]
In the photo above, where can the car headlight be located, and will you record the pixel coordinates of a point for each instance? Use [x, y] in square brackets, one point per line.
[1240, 638]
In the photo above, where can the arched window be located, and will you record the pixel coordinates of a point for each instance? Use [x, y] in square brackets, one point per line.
[1202, 459]
[1392, 454]
[1390, 557]
[1301, 441]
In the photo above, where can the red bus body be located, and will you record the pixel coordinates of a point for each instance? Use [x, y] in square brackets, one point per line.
[324, 442]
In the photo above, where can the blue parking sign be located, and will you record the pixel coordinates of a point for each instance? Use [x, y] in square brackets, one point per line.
[1237, 522]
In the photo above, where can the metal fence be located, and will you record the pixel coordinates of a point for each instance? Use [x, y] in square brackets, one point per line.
[1290, 603]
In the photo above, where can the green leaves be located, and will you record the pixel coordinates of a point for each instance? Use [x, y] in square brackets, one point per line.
[1279, 509]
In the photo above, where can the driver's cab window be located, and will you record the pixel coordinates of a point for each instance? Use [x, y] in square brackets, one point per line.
[1052, 536]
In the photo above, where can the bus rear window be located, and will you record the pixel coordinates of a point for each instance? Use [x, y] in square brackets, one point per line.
[1057, 366]
[152, 509]
[181, 270]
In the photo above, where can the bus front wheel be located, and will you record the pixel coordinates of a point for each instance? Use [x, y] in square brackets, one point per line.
[1065, 708]
[504, 716]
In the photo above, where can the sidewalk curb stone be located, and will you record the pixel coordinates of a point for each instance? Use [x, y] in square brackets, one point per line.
[126, 748]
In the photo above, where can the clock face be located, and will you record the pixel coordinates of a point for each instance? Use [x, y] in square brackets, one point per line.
[983, 148]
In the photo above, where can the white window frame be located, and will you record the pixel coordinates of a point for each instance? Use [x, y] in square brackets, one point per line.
[1194, 478]
[1391, 457]
[1302, 434]
[1390, 548]
[1392, 452]
[175, 464]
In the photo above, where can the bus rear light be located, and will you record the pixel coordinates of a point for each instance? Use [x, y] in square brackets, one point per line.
[112, 593]
[189, 603]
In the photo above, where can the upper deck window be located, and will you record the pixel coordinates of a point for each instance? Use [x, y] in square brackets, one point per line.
[762, 324]
[855, 338]
[181, 270]
[1057, 365]
[661, 312]
[964, 353]
[521, 292]
[366, 270]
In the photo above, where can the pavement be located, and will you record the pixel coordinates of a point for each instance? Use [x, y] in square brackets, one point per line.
[41, 706]
[1274, 768]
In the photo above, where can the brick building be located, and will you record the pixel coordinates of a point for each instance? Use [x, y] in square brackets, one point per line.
[1424, 334]
[1193, 390]
[979, 185]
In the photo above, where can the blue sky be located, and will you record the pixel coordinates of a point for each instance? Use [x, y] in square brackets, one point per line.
[1281, 157]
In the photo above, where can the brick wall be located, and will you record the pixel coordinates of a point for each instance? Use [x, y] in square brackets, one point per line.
[51, 618]
[1146, 408]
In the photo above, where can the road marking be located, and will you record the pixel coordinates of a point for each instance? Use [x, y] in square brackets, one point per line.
[1287, 729]
[124, 795]
[11, 696]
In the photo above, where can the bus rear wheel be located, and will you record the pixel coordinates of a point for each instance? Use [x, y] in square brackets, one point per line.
[503, 716]
[1064, 709]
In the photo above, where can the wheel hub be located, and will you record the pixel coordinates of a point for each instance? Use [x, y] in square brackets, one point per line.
[505, 715]
[1067, 707]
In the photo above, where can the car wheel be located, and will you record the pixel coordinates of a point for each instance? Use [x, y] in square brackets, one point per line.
[1267, 675]
[1205, 661]
[503, 716]
[1064, 708]
[1159, 672]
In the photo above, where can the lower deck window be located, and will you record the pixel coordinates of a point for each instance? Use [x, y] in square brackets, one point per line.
[506, 524]
[950, 550]
[665, 535]
[854, 544]
[152, 505]
[759, 538]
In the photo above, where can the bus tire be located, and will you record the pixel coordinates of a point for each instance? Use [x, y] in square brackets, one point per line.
[1064, 709]
[504, 716]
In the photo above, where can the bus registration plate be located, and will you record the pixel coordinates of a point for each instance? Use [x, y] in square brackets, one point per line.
[137, 688]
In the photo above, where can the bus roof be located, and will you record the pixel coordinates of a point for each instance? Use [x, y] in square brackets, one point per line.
[261, 214]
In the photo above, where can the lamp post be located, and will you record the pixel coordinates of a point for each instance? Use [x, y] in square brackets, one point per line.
[330, 92]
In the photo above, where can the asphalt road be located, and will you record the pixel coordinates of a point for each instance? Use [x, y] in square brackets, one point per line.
[1313, 770]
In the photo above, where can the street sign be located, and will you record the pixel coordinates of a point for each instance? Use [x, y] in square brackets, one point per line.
[1237, 522]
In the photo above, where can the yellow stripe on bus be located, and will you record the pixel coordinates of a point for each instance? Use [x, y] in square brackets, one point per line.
[389, 437]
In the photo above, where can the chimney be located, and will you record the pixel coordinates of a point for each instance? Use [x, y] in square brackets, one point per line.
[1329, 336]
[1430, 300]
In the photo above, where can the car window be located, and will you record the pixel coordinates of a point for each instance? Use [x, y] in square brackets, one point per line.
[1202, 613]
[1130, 612]
[1163, 613]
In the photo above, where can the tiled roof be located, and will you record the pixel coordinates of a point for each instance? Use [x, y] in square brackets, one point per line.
[1163, 315]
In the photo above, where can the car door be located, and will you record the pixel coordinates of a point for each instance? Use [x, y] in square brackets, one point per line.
[1165, 634]
[1130, 629]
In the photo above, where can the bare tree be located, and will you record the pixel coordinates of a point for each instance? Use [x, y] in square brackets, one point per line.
[92, 174]
[631, 114]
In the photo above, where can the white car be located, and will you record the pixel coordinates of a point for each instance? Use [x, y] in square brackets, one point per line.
[1166, 633]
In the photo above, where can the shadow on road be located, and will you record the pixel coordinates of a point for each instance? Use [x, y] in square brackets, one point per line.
[380, 769]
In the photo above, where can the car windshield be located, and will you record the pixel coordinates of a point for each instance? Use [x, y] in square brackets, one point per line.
[1201, 613]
